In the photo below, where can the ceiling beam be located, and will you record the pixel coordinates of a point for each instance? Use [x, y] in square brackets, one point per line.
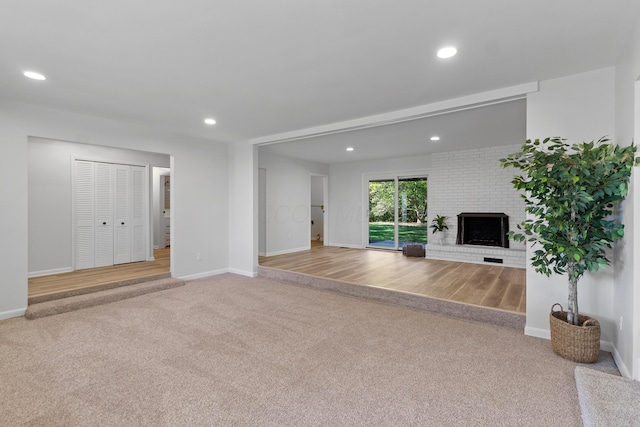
[414, 113]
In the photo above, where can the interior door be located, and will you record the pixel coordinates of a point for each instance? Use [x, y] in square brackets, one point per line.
[122, 214]
[84, 214]
[104, 215]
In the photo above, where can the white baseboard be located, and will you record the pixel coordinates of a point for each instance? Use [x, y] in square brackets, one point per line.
[205, 274]
[289, 251]
[243, 273]
[49, 272]
[12, 313]
[346, 245]
[622, 367]
[537, 332]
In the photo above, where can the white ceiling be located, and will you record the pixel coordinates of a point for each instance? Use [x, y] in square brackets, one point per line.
[266, 67]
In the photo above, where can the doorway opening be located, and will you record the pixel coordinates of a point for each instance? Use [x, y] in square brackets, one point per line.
[397, 212]
[317, 211]
[54, 214]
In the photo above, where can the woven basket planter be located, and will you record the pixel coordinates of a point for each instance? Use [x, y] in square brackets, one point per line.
[577, 343]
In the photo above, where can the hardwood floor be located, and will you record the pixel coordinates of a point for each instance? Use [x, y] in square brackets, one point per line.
[492, 286]
[81, 279]
[484, 285]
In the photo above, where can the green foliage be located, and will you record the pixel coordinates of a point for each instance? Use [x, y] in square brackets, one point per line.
[415, 195]
[412, 201]
[438, 223]
[379, 232]
[381, 201]
[570, 191]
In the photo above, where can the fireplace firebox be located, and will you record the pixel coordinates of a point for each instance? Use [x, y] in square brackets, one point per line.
[485, 229]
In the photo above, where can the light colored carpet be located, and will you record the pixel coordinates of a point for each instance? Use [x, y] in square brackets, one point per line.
[235, 351]
[607, 400]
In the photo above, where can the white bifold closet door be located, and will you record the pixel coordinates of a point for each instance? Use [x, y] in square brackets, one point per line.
[110, 214]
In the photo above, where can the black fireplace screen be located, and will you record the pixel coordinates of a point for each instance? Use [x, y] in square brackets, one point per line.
[486, 229]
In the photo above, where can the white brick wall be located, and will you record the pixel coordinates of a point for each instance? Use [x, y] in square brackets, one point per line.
[473, 181]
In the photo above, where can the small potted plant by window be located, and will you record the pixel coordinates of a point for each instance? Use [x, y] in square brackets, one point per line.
[438, 225]
[570, 192]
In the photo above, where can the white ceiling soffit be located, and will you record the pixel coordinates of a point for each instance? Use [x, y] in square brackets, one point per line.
[498, 124]
[423, 111]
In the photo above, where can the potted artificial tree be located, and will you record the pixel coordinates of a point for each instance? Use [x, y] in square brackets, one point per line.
[438, 225]
[570, 192]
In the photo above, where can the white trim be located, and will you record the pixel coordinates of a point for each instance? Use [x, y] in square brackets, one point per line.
[622, 367]
[252, 274]
[202, 275]
[12, 313]
[289, 251]
[49, 272]
[346, 245]
[537, 332]
[422, 111]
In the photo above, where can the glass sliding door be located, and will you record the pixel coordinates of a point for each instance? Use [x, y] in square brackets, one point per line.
[397, 212]
[412, 211]
[382, 205]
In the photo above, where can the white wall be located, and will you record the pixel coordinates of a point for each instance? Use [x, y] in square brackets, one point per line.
[473, 181]
[288, 195]
[347, 216]
[50, 206]
[243, 209]
[626, 295]
[199, 216]
[579, 108]
[157, 208]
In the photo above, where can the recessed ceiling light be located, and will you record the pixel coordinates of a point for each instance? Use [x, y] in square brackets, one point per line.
[33, 75]
[210, 121]
[435, 138]
[447, 52]
[349, 148]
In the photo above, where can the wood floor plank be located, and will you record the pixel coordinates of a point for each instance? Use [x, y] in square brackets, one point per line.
[81, 279]
[493, 286]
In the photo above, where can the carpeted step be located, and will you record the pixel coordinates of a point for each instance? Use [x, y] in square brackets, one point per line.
[421, 302]
[607, 400]
[97, 288]
[49, 308]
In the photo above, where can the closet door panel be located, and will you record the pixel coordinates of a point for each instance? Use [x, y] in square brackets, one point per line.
[104, 215]
[84, 214]
[122, 214]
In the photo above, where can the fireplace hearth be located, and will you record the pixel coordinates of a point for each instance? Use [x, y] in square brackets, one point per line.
[483, 229]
